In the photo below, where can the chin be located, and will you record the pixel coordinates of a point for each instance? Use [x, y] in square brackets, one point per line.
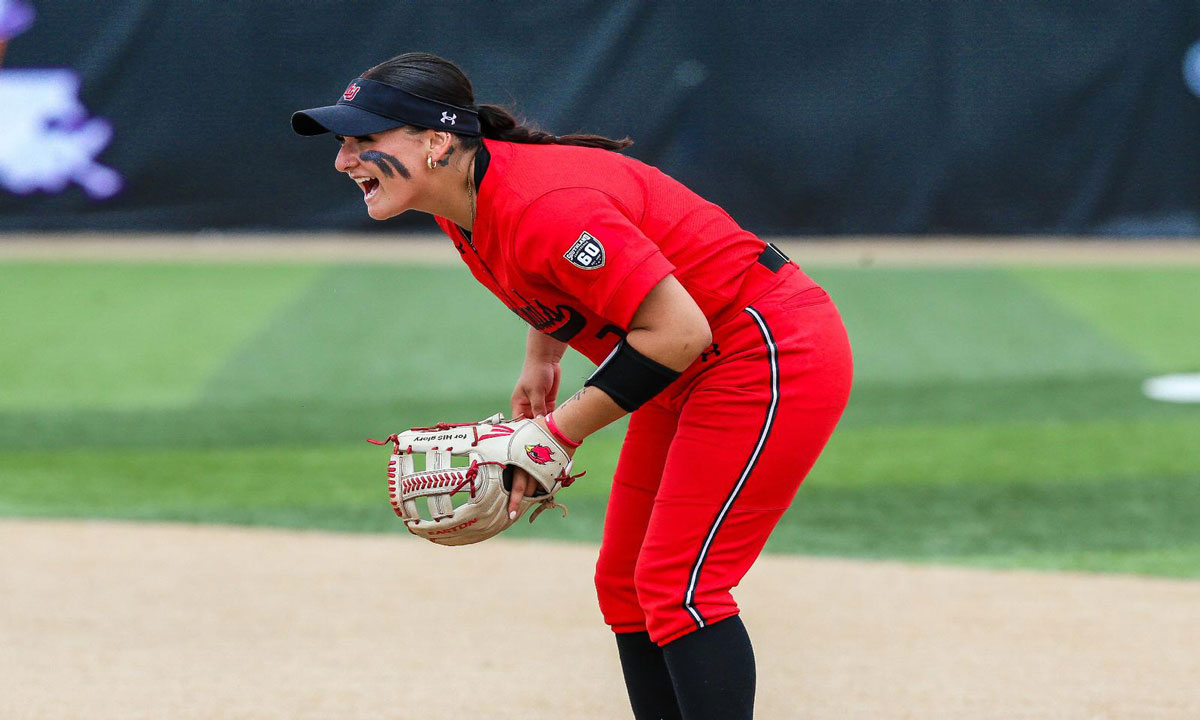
[380, 212]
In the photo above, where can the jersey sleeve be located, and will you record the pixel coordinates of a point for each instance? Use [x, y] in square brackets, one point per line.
[582, 242]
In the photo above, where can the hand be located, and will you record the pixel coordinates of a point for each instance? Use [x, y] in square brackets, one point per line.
[523, 485]
[537, 389]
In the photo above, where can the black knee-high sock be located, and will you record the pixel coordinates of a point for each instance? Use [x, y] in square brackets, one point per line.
[713, 672]
[651, 692]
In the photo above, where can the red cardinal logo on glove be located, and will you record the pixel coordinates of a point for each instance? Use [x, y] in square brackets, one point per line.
[540, 454]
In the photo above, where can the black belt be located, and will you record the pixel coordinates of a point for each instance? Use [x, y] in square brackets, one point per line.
[772, 258]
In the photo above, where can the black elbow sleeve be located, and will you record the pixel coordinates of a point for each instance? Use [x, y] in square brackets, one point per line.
[630, 378]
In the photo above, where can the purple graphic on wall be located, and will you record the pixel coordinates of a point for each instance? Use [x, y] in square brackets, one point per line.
[1191, 68]
[15, 18]
[47, 139]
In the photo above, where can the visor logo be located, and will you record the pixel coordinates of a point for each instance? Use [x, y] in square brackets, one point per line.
[449, 119]
[351, 91]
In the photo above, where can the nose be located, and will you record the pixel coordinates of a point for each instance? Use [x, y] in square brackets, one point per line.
[347, 156]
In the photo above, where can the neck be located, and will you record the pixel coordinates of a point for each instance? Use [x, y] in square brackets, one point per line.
[453, 195]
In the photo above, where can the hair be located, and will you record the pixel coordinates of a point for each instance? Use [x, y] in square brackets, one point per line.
[439, 79]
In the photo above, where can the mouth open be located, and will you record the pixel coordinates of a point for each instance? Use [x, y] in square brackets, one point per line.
[369, 186]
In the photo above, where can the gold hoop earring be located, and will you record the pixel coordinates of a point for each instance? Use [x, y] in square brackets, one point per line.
[429, 162]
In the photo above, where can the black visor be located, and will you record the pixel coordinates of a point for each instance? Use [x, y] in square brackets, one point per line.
[368, 107]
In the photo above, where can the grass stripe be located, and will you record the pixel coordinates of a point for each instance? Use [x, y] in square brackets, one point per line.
[1052, 453]
[1146, 523]
[361, 334]
[1182, 562]
[1154, 312]
[1149, 522]
[227, 425]
[922, 326]
[1062, 399]
[120, 335]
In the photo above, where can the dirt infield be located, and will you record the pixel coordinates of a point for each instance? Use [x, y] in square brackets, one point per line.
[107, 620]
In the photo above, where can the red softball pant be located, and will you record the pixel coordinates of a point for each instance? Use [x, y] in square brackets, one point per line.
[709, 467]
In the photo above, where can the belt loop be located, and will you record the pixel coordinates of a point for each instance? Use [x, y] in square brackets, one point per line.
[772, 258]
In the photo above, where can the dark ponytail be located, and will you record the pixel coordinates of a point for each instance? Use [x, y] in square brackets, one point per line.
[439, 79]
[499, 124]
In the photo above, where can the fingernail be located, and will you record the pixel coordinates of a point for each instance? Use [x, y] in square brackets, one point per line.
[512, 514]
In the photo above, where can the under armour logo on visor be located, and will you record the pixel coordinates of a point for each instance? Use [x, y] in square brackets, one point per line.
[448, 118]
[351, 91]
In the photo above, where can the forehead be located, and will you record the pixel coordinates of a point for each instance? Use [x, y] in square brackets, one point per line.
[404, 133]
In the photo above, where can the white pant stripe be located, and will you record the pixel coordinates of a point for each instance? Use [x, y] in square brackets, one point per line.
[773, 357]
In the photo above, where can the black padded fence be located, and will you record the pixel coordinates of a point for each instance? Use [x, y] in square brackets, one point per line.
[846, 117]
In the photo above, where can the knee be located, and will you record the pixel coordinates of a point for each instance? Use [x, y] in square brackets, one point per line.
[603, 580]
[610, 573]
[617, 597]
[648, 582]
[614, 589]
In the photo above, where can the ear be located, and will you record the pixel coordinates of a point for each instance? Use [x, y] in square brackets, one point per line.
[440, 145]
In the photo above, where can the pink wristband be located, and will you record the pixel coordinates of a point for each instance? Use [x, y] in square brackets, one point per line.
[558, 434]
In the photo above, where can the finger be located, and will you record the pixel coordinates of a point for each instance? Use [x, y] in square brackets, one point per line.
[518, 492]
[552, 396]
[522, 408]
[537, 403]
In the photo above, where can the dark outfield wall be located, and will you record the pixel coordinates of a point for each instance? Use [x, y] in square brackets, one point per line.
[847, 116]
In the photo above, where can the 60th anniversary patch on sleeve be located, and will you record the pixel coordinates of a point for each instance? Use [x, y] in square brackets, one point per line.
[586, 253]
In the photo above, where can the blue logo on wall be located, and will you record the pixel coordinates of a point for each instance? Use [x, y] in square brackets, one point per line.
[47, 139]
[1191, 69]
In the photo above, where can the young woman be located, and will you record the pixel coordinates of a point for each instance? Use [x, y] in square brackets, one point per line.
[734, 364]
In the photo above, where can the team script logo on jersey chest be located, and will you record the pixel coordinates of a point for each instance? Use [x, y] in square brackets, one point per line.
[586, 253]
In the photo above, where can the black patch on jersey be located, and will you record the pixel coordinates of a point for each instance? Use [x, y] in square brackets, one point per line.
[587, 252]
[562, 322]
[611, 329]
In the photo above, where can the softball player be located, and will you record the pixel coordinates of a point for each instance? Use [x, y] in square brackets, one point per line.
[734, 364]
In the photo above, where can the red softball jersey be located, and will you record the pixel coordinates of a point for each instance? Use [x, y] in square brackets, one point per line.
[572, 239]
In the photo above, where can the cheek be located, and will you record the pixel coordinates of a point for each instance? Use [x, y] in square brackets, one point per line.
[389, 165]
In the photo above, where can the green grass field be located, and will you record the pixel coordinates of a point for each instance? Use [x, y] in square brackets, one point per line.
[996, 420]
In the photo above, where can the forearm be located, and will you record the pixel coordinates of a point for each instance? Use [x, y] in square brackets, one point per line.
[540, 347]
[592, 408]
[585, 412]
